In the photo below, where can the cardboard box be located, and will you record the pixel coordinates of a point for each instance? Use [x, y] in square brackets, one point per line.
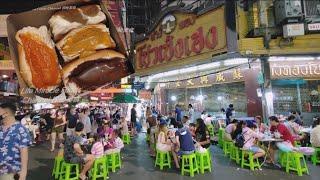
[39, 17]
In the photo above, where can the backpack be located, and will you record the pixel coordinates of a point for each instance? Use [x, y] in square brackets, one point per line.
[240, 141]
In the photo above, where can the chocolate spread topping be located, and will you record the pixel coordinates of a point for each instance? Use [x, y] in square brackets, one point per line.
[93, 74]
[91, 10]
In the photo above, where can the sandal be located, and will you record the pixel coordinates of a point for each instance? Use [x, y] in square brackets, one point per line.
[83, 177]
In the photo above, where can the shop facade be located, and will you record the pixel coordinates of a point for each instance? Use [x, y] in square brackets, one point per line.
[213, 92]
[296, 87]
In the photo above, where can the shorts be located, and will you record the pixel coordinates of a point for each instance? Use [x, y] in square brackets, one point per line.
[58, 130]
[254, 149]
[180, 153]
[79, 159]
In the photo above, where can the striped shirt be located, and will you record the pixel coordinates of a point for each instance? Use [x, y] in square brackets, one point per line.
[97, 149]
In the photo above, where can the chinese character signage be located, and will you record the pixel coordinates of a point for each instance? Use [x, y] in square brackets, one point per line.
[234, 75]
[180, 39]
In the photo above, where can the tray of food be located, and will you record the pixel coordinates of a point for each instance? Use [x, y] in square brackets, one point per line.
[66, 49]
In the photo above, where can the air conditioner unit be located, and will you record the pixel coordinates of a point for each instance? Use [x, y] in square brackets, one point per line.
[287, 11]
[312, 12]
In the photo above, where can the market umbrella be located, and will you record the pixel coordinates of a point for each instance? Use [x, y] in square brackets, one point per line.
[125, 98]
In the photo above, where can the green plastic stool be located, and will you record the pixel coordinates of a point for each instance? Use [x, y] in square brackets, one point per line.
[227, 147]
[284, 157]
[57, 167]
[220, 137]
[204, 161]
[67, 171]
[315, 158]
[114, 161]
[126, 139]
[99, 169]
[211, 130]
[162, 159]
[189, 164]
[235, 154]
[250, 162]
[294, 163]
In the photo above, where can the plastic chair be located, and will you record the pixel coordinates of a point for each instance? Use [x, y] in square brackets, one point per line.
[99, 169]
[294, 163]
[250, 162]
[126, 139]
[204, 161]
[57, 167]
[227, 147]
[67, 172]
[189, 164]
[114, 161]
[235, 154]
[162, 159]
[315, 158]
[220, 137]
[211, 130]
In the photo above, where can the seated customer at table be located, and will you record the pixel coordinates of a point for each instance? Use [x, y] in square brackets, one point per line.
[230, 130]
[105, 129]
[295, 129]
[315, 133]
[184, 140]
[73, 152]
[97, 149]
[185, 121]
[250, 139]
[202, 134]
[260, 125]
[279, 129]
[114, 143]
[164, 143]
[192, 129]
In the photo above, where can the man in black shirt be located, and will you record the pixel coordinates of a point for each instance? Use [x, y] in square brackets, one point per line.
[229, 114]
[72, 121]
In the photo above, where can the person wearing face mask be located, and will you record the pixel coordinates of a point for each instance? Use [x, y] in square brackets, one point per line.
[14, 142]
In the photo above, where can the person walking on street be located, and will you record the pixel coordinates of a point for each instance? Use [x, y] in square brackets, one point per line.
[72, 121]
[191, 113]
[14, 142]
[133, 119]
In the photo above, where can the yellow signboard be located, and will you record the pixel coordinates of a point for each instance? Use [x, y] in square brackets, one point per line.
[126, 86]
[181, 39]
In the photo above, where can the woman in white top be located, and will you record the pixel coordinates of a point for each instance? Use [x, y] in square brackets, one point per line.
[165, 141]
[315, 133]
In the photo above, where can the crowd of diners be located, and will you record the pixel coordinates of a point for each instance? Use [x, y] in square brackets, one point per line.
[80, 135]
[187, 134]
[84, 134]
